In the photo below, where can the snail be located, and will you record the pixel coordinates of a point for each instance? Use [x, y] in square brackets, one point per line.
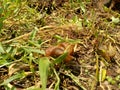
[56, 51]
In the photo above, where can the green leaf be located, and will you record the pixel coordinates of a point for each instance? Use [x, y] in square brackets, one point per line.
[19, 75]
[1, 49]
[76, 80]
[13, 52]
[58, 80]
[59, 38]
[18, 1]
[2, 62]
[82, 6]
[1, 22]
[43, 71]
[117, 78]
[115, 20]
[33, 88]
[77, 21]
[30, 49]
[74, 41]
[97, 68]
[32, 36]
[110, 80]
[1, 10]
[33, 43]
[1, 25]
[103, 74]
[60, 58]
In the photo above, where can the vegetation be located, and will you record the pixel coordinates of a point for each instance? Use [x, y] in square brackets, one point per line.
[28, 29]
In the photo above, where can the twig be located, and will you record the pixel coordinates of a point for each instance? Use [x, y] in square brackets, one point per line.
[25, 35]
[76, 80]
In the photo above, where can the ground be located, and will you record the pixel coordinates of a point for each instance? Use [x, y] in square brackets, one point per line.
[28, 29]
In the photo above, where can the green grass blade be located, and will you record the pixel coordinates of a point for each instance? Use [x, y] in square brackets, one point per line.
[58, 80]
[59, 38]
[43, 71]
[103, 77]
[61, 58]
[32, 36]
[76, 80]
[1, 49]
[35, 50]
[19, 75]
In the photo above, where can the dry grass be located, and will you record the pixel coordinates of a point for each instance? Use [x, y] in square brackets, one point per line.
[27, 33]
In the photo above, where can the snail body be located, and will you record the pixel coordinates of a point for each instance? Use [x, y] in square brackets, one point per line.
[56, 51]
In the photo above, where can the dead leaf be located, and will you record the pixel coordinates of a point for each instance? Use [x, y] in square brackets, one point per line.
[16, 67]
[107, 51]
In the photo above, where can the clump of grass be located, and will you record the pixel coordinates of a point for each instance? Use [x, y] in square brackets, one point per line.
[9, 9]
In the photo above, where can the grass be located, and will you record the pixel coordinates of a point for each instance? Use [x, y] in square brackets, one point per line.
[27, 29]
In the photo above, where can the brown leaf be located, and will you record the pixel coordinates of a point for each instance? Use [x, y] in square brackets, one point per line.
[16, 67]
[107, 51]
